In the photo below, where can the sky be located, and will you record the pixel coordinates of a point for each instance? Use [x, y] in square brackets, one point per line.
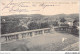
[44, 7]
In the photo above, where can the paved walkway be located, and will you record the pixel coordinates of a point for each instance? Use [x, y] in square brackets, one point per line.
[47, 42]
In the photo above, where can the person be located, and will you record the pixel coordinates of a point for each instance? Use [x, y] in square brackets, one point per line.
[52, 29]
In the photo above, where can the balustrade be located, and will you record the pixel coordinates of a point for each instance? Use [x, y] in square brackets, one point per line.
[24, 34]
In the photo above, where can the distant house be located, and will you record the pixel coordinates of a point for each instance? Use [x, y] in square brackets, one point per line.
[76, 23]
[69, 21]
[75, 29]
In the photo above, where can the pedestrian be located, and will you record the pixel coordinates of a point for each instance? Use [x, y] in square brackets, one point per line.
[52, 29]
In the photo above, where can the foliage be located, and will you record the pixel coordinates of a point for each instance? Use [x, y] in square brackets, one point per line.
[33, 25]
[44, 25]
[63, 20]
[10, 27]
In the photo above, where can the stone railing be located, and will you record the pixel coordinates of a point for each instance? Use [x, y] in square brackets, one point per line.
[23, 34]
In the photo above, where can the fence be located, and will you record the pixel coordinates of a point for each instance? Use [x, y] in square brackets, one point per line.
[23, 34]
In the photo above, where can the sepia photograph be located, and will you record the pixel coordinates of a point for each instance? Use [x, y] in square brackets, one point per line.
[39, 25]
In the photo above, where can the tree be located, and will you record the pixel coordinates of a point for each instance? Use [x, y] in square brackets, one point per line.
[44, 25]
[63, 20]
[9, 26]
[33, 25]
[19, 29]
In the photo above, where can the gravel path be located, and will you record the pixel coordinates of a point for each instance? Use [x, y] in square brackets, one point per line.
[47, 42]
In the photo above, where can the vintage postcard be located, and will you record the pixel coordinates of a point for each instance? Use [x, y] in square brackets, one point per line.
[45, 25]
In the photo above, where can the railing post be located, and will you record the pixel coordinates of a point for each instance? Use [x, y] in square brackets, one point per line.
[26, 35]
[6, 38]
[48, 30]
[14, 36]
[19, 36]
[23, 35]
[33, 33]
[42, 31]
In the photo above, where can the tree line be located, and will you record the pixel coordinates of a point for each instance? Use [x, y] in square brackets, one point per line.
[10, 27]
